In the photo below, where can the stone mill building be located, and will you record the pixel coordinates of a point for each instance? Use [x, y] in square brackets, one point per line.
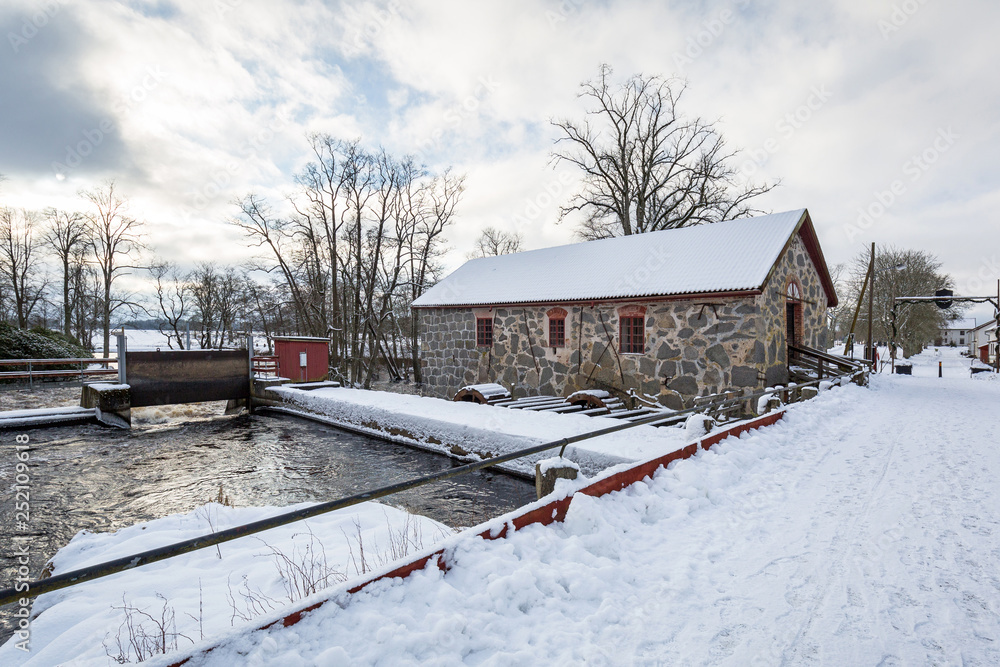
[672, 315]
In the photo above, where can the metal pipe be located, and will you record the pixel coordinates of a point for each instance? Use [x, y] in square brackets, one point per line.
[122, 378]
[153, 555]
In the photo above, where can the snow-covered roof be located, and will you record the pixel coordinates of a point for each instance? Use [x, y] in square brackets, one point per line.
[988, 325]
[961, 325]
[731, 256]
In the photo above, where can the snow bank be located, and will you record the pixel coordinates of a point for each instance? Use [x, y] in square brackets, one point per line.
[488, 389]
[200, 592]
[41, 412]
[861, 529]
[557, 462]
[42, 416]
[482, 430]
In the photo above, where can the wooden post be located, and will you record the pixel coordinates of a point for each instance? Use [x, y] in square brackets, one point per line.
[849, 344]
[870, 344]
[549, 470]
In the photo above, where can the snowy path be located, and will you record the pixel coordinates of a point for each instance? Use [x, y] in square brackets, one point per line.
[864, 529]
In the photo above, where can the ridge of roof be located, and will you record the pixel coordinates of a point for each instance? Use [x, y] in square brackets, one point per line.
[732, 256]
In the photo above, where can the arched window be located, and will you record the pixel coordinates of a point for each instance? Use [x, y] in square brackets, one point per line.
[557, 327]
[794, 333]
[793, 291]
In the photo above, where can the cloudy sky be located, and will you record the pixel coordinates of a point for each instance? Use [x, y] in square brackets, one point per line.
[879, 116]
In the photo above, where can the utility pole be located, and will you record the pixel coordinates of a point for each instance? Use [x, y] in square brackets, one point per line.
[849, 345]
[870, 347]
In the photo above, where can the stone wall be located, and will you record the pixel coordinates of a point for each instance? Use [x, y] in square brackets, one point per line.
[692, 347]
[797, 266]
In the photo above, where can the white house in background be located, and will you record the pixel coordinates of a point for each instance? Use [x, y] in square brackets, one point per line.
[956, 332]
[982, 341]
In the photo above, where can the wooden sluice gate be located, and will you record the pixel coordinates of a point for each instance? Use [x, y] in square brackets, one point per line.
[167, 378]
[190, 376]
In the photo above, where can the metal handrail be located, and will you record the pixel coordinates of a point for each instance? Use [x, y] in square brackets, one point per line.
[161, 553]
[52, 362]
[31, 373]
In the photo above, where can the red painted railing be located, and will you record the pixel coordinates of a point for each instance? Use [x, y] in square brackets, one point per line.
[544, 515]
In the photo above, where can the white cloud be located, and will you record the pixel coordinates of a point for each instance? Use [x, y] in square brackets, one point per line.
[474, 84]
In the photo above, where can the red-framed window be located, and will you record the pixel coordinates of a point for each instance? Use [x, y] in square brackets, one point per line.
[557, 332]
[633, 333]
[557, 327]
[484, 331]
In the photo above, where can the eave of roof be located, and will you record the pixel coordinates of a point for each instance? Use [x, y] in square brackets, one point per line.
[803, 226]
[806, 230]
[618, 299]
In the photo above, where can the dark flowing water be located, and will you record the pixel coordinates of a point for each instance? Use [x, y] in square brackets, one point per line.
[99, 479]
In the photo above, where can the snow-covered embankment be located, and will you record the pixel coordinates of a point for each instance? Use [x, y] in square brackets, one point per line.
[468, 429]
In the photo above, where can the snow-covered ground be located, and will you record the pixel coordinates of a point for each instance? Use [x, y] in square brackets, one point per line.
[862, 529]
[486, 429]
[203, 593]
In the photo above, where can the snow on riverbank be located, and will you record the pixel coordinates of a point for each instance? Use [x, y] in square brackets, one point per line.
[485, 429]
[860, 530]
[198, 594]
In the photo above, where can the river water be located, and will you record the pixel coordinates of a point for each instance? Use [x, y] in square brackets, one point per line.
[174, 459]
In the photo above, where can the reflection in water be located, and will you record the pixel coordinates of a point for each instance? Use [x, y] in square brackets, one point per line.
[99, 479]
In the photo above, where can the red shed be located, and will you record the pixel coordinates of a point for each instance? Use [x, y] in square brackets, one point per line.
[302, 358]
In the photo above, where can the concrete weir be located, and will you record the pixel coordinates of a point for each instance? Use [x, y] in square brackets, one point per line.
[112, 402]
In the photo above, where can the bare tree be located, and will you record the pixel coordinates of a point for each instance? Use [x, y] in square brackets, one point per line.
[436, 211]
[264, 228]
[173, 300]
[361, 242]
[114, 240]
[900, 273]
[265, 308]
[645, 166]
[87, 288]
[324, 182]
[494, 241]
[231, 302]
[19, 259]
[204, 286]
[66, 236]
